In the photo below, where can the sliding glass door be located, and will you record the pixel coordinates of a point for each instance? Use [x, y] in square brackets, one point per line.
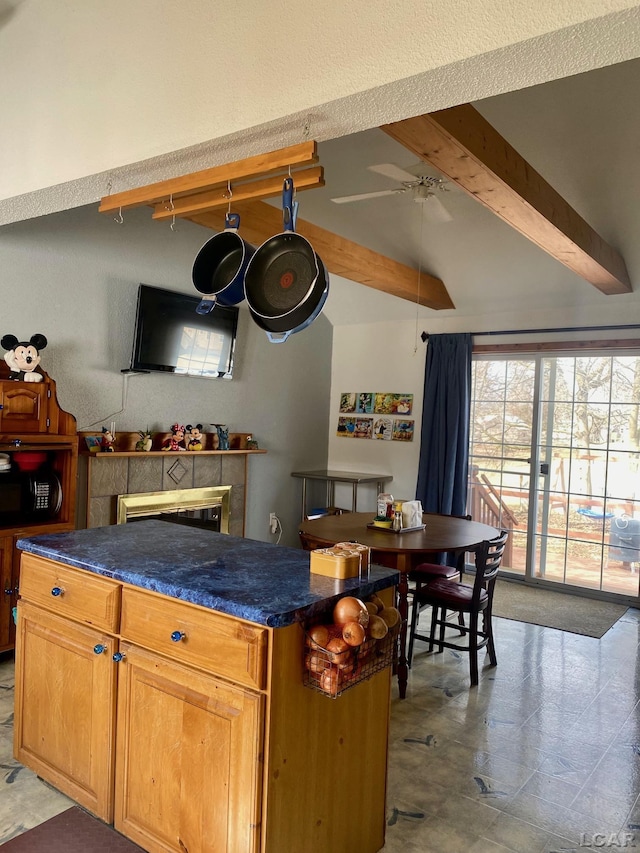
[554, 458]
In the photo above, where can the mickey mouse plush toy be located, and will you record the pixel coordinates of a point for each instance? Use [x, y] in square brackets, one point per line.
[23, 357]
[193, 437]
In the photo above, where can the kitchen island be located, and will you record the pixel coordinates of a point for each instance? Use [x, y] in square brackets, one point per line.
[159, 683]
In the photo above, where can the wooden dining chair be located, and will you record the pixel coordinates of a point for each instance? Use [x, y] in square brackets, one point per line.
[425, 573]
[475, 600]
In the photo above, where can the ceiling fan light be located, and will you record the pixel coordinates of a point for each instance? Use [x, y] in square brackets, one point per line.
[421, 194]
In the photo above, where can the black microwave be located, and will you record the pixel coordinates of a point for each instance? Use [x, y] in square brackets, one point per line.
[29, 496]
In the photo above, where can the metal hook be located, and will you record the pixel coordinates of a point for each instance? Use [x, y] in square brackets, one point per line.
[119, 218]
[171, 206]
[229, 195]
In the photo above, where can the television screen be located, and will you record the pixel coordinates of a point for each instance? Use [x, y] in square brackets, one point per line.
[171, 337]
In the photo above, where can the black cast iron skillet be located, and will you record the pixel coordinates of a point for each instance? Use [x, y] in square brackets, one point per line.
[286, 283]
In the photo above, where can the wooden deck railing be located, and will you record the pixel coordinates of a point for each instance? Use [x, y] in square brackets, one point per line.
[484, 504]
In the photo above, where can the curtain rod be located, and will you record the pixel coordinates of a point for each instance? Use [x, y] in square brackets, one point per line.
[425, 335]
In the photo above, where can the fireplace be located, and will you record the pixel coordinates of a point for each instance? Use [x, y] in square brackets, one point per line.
[201, 507]
[136, 478]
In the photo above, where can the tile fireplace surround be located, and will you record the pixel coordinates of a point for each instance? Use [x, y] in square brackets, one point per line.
[105, 476]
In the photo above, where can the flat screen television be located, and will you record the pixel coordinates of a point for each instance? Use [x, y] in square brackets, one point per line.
[171, 337]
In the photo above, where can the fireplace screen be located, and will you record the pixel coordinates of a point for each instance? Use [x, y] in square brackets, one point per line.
[204, 507]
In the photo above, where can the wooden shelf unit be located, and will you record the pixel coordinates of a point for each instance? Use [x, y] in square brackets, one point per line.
[32, 420]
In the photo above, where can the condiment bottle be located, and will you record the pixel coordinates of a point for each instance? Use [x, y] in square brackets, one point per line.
[397, 516]
[385, 505]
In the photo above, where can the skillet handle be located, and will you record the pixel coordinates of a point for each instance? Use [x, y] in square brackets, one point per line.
[278, 337]
[287, 205]
[231, 221]
[206, 304]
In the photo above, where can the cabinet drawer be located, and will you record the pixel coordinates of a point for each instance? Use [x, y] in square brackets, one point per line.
[82, 595]
[211, 641]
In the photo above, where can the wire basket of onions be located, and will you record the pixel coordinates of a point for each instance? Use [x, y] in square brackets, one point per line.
[360, 641]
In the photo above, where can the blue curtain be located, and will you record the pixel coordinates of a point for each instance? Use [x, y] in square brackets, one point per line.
[444, 447]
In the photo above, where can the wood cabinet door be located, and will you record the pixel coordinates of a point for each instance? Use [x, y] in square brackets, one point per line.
[7, 593]
[65, 706]
[189, 767]
[24, 407]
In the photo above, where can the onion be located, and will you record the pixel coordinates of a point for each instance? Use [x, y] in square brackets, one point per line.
[339, 650]
[330, 681]
[356, 673]
[319, 635]
[353, 633]
[350, 609]
[347, 668]
[315, 663]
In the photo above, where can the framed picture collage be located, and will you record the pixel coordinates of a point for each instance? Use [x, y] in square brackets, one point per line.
[376, 415]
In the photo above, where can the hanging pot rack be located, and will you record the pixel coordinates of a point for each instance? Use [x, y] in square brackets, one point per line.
[203, 197]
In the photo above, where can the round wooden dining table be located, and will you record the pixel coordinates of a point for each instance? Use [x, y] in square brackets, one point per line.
[402, 551]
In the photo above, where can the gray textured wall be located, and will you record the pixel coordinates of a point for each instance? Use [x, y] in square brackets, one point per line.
[73, 276]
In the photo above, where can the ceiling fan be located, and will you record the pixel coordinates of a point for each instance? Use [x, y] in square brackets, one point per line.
[423, 188]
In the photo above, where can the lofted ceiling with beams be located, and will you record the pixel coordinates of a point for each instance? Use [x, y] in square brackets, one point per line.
[541, 190]
[580, 134]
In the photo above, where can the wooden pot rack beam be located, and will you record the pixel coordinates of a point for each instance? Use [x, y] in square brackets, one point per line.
[465, 148]
[187, 205]
[202, 197]
[304, 154]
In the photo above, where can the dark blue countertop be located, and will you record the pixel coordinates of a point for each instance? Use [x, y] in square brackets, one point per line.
[263, 583]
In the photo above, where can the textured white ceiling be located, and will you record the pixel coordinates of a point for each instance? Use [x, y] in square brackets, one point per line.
[123, 97]
[126, 93]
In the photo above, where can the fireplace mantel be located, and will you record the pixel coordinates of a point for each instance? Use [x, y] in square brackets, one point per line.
[103, 476]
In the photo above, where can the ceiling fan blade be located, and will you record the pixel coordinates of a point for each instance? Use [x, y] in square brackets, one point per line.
[434, 210]
[345, 199]
[389, 170]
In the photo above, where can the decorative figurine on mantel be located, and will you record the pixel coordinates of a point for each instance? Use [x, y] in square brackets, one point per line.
[176, 439]
[194, 437]
[107, 441]
[145, 442]
[223, 436]
[23, 357]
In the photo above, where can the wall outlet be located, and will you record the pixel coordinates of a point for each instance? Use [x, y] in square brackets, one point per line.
[273, 522]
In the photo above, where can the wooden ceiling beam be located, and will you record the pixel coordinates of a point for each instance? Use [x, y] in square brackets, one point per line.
[303, 154]
[305, 179]
[465, 148]
[342, 257]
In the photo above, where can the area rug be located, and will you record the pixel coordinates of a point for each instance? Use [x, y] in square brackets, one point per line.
[551, 609]
[72, 831]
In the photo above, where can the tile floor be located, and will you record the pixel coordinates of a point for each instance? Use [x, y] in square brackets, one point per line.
[543, 756]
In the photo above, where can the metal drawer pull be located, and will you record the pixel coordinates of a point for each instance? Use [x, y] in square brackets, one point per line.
[118, 656]
[99, 648]
[57, 590]
[178, 635]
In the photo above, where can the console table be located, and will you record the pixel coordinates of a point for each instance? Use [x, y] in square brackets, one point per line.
[333, 477]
